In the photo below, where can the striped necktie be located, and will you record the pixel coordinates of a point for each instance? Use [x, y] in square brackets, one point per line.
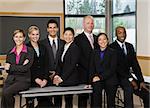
[123, 50]
[54, 48]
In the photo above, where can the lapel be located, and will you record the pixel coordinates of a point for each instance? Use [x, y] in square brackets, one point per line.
[67, 54]
[86, 41]
[22, 57]
[127, 48]
[97, 58]
[49, 47]
[59, 50]
[30, 45]
[118, 46]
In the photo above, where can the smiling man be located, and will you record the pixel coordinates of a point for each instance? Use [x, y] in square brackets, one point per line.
[53, 46]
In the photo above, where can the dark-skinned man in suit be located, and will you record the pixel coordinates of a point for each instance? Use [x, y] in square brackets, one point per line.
[126, 59]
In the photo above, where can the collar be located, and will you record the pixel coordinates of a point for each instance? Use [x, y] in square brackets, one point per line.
[24, 49]
[120, 43]
[51, 39]
[67, 45]
[87, 34]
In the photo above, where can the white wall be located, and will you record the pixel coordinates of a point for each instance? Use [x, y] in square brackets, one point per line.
[47, 6]
[143, 28]
[56, 6]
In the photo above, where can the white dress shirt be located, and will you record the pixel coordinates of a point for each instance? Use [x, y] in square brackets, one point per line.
[51, 41]
[90, 38]
[124, 46]
[65, 50]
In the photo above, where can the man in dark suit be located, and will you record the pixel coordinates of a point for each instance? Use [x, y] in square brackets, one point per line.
[86, 42]
[53, 46]
[126, 59]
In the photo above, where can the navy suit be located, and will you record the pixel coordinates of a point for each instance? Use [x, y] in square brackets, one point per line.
[105, 68]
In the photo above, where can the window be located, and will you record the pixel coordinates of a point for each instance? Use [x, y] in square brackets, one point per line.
[75, 10]
[122, 12]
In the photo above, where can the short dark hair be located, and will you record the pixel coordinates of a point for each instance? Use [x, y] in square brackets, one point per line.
[52, 21]
[100, 35]
[69, 29]
[118, 27]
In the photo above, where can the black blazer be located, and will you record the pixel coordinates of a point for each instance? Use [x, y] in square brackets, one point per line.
[67, 69]
[85, 53]
[38, 68]
[51, 63]
[125, 62]
[20, 72]
[108, 64]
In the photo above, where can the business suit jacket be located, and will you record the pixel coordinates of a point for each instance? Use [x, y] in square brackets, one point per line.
[51, 62]
[19, 71]
[124, 62]
[18, 78]
[38, 68]
[85, 53]
[108, 63]
[68, 68]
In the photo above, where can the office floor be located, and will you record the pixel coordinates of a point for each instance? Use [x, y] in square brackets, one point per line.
[137, 102]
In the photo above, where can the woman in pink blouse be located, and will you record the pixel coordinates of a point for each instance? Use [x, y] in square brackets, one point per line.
[18, 63]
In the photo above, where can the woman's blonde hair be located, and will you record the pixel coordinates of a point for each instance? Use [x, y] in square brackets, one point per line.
[32, 28]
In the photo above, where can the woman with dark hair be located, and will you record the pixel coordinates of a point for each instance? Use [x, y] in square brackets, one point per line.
[102, 73]
[18, 63]
[66, 71]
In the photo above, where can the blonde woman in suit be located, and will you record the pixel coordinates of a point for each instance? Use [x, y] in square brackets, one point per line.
[18, 63]
[39, 73]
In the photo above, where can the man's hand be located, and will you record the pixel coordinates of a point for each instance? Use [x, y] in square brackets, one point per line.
[87, 86]
[96, 78]
[52, 74]
[142, 85]
[134, 84]
[57, 79]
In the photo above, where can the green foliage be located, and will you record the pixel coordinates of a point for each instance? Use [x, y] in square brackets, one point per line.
[85, 7]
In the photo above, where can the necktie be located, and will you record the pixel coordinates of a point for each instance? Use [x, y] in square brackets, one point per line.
[123, 49]
[54, 48]
[91, 40]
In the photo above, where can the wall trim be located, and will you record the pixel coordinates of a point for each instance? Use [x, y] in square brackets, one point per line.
[31, 14]
[143, 57]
